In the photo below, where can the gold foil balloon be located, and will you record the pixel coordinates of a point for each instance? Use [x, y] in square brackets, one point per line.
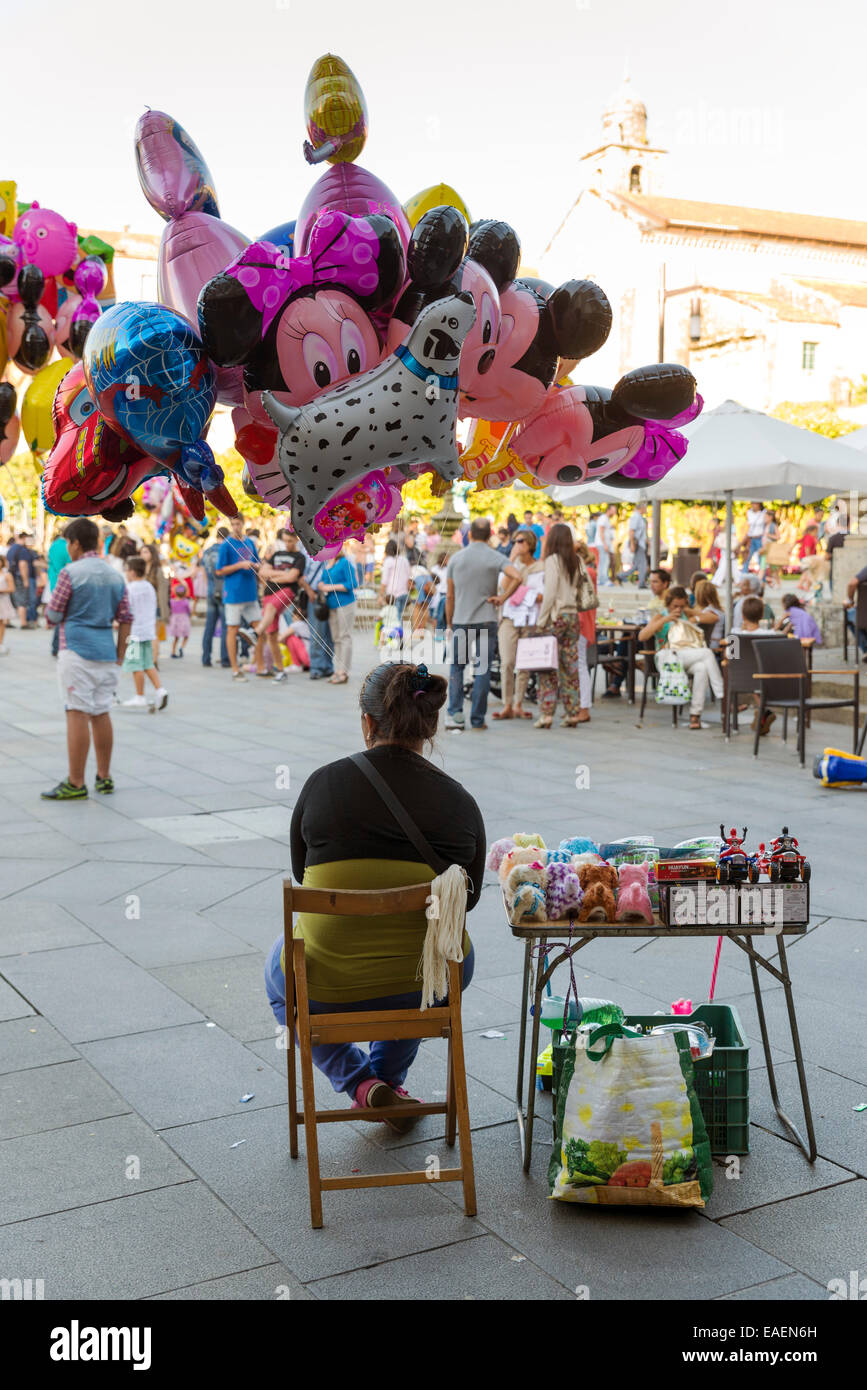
[439, 195]
[335, 112]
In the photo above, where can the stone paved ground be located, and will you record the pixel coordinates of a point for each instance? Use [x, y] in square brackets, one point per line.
[132, 936]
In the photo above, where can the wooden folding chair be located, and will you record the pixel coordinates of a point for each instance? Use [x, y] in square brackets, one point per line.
[440, 1022]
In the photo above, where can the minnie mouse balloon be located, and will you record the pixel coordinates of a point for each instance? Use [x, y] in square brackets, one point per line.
[10, 425]
[349, 188]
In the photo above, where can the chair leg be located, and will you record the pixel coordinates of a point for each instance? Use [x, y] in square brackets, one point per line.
[856, 709]
[802, 730]
[289, 1038]
[451, 1110]
[760, 719]
[311, 1138]
[785, 726]
[463, 1112]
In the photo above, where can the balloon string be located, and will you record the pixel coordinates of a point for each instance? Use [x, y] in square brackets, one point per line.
[715, 969]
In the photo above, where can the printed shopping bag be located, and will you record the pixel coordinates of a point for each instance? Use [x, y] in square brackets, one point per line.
[629, 1128]
[672, 688]
[537, 654]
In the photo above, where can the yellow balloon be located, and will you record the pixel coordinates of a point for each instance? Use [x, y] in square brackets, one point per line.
[335, 111]
[37, 426]
[439, 195]
[489, 461]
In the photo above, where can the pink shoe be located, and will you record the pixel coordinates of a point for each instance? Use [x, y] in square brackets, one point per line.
[374, 1094]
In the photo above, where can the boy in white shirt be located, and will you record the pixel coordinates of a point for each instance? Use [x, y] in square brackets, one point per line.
[139, 656]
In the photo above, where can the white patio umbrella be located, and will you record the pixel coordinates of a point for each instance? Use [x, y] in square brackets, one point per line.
[735, 452]
[738, 453]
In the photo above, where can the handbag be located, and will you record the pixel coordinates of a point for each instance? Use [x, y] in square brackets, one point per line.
[538, 653]
[586, 597]
[672, 688]
[320, 609]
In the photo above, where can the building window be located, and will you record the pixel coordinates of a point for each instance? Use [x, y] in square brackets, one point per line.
[635, 179]
[808, 356]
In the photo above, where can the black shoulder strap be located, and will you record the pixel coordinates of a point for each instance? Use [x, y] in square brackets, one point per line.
[407, 824]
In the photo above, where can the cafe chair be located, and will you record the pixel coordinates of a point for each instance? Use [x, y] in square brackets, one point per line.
[444, 1021]
[784, 682]
[860, 620]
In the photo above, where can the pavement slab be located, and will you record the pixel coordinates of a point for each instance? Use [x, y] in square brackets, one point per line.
[176, 1076]
[822, 1234]
[49, 1097]
[32, 1042]
[132, 1247]
[93, 992]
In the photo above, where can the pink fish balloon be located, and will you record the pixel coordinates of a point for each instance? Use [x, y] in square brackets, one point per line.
[174, 177]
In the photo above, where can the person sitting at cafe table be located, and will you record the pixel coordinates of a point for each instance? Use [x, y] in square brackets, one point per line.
[659, 581]
[671, 631]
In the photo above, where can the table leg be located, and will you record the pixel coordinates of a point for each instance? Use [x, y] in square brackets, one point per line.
[630, 678]
[808, 1148]
[519, 1089]
[534, 1052]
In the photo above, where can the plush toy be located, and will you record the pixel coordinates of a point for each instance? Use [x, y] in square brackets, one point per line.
[515, 856]
[633, 898]
[563, 894]
[529, 904]
[588, 857]
[497, 852]
[579, 845]
[556, 856]
[599, 882]
[535, 874]
[523, 841]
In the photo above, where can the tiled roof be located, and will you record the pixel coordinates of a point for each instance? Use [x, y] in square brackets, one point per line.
[853, 296]
[798, 226]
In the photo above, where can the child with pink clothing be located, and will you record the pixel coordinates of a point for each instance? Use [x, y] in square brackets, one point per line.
[179, 622]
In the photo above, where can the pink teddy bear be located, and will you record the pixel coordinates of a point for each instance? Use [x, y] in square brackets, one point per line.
[633, 898]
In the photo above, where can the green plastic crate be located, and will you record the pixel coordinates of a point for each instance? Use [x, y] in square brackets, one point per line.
[722, 1080]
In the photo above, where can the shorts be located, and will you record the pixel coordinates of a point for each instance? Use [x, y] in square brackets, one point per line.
[139, 655]
[21, 596]
[249, 612]
[86, 686]
[277, 603]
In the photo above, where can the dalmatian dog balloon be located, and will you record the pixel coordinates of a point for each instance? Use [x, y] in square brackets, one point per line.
[398, 414]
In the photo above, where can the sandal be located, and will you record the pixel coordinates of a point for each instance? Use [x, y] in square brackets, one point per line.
[695, 721]
[504, 713]
[523, 714]
[337, 680]
[543, 723]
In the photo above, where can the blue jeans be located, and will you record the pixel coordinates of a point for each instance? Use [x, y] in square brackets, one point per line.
[400, 605]
[346, 1064]
[32, 605]
[482, 638]
[320, 644]
[213, 613]
[441, 615]
[756, 543]
[861, 635]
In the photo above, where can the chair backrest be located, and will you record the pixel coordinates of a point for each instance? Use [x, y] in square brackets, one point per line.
[741, 663]
[861, 606]
[783, 656]
[354, 902]
[708, 629]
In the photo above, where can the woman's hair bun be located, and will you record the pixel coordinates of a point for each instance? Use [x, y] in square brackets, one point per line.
[404, 700]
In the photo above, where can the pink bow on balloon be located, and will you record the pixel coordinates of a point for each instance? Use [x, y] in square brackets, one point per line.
[343, 251]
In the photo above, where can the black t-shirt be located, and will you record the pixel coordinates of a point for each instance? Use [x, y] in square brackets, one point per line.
[339, 815]
[15, 554]
[283, 559]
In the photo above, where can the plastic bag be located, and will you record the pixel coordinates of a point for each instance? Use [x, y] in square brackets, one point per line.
[629, 1129]
[672, 688]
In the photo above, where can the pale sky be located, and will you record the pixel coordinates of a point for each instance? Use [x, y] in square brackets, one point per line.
[759, 102]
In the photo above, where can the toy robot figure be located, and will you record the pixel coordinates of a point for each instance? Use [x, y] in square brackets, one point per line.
[785, 863]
